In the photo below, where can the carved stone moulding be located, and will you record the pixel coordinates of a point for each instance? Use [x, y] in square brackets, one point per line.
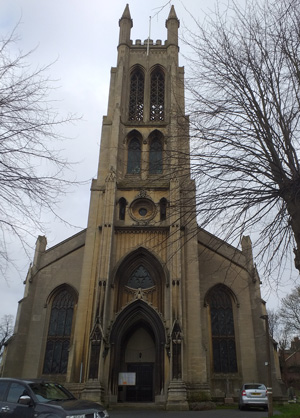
[142, 209]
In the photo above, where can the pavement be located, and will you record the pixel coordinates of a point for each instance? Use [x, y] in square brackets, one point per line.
[216, 413]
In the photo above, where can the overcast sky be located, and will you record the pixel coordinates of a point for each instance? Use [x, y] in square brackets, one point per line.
[81, 38]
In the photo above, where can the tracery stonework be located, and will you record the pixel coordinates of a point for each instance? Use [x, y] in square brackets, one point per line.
[140, 293]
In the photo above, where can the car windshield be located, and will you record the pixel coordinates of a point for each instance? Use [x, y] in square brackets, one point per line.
[46, 392]
[255, 386]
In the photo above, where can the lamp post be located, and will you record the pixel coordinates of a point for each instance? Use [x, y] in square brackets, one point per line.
[269, 384]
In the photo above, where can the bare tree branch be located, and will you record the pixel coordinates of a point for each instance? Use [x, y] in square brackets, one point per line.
[244, 88]
[6, 331]
[32, 170]
[290, 311]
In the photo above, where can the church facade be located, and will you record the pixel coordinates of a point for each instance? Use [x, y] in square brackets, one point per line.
[142, 305]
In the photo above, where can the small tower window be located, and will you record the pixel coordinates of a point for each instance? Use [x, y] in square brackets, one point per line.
[122, 208]
[157, 96]
[136, 99]
[134, 157]
[163, 209]
[155, 157]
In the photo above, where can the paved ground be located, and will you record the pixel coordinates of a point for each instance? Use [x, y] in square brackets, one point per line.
[220, 413]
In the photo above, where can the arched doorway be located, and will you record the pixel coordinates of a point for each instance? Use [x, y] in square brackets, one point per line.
[138, 357]
[137, 350]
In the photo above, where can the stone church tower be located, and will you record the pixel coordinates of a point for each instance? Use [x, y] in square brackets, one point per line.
[143, 305]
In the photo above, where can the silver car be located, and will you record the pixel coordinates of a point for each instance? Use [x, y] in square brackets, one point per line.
[253, 394]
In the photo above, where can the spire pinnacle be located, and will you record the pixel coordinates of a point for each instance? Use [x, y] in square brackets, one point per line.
[126, 13]
[172, 14]
[125, 24]
[172, 25]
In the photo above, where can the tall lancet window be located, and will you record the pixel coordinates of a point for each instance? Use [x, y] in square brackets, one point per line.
[59, 333]
[136, 99]
[222, 330]
[157, 96]
[134, 157]
[155, 156]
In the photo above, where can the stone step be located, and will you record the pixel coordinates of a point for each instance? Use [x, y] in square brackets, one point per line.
[136, 406]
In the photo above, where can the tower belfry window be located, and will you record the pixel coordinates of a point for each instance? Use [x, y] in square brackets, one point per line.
[136, 99]
[155, 156]
[134, 157]
[157, 96]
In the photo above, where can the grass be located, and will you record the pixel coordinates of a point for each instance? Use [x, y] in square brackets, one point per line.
[288, 410]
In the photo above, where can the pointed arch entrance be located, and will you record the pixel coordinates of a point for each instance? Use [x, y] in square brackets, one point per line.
[138, 346]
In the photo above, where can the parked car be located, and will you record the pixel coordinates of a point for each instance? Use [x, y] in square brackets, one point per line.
[37, 398]
[253, 394]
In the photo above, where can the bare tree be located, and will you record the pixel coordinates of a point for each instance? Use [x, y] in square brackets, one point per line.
[245, 117]
[290, 311]
[274, 325]
[31, 167]
[289, 326]
[6, 331]
[279, 329]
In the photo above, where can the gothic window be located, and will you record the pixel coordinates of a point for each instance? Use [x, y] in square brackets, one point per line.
[155, 156]
[134, 157]
[122, 208]
[59, 333]
[163, 209]
[136, 99]
[140, 278]
[157, 96]
[222, 330]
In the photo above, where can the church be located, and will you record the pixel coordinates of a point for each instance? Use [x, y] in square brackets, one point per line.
[143, 305]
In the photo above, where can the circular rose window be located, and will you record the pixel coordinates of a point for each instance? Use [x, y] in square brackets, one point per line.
[142, 209]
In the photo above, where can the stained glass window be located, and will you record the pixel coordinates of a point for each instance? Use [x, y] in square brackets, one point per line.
[134, 157]
[157, 96]
[59, 332]
[155, 156]
[140, 278]
[222, 329]
[136, 99]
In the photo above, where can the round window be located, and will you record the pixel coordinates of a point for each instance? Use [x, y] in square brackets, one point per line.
[143, 211]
